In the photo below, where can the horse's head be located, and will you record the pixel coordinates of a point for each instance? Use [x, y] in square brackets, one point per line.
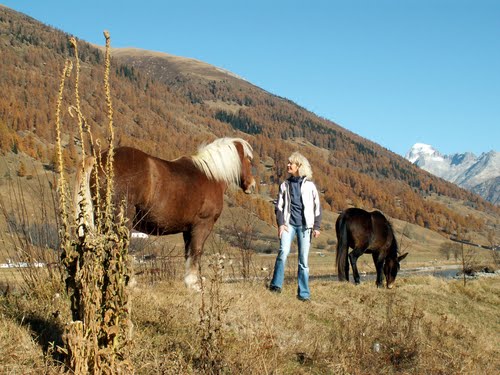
[247, 181]
[391, 268]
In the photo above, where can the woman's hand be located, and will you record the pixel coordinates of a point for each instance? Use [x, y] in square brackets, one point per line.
[316, 233]
[281, 229]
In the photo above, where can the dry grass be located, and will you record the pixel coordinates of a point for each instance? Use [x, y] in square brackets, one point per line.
[20, 351]
[426, 325]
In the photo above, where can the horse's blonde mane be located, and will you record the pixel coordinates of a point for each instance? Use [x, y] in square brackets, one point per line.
[219, 160]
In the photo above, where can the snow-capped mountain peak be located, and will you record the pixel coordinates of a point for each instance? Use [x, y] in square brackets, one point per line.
[422, 150]
[478, 174]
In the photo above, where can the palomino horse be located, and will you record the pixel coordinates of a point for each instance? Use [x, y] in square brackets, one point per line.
[182, 195]
[371, 233]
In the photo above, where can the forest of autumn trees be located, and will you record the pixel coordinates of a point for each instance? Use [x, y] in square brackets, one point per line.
[170, 114]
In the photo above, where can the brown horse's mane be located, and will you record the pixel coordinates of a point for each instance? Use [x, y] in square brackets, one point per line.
[394, 248]
[394, 245]
[217, 163]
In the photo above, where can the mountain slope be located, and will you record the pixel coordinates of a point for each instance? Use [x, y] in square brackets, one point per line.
[477, 174]
[168, 105]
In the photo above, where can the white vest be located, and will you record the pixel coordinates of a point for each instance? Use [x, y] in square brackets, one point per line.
[310, 200]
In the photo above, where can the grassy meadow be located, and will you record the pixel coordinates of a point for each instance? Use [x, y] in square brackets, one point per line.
[425, 325]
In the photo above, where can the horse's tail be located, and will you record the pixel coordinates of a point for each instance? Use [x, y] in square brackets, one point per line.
[82, 197]
[342, 261]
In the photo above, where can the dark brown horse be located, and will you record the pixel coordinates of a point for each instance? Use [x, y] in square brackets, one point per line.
[183, 195]
[371, 233]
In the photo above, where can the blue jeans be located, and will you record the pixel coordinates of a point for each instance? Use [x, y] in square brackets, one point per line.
[304, 243]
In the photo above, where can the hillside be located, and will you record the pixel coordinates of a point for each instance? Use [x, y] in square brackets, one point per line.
[168, 105]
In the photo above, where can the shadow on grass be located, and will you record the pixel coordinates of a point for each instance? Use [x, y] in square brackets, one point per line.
[46, 331]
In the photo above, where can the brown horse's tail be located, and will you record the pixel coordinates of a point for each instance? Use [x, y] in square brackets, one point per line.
[82, 197]
[342, 261]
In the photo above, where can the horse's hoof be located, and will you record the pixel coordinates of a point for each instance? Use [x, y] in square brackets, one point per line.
[192, 282]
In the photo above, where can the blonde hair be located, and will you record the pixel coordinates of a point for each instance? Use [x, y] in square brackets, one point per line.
[303, 164]
[220, 160]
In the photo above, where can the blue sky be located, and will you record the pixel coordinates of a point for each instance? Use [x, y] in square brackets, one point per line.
[396, 72]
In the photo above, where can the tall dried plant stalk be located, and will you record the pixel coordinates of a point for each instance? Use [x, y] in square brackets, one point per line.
[212, 314]
[97, 262]
[61, 183]
[109, 105]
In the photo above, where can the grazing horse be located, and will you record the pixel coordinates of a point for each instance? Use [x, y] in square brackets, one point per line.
[182, 195]
[371, 233]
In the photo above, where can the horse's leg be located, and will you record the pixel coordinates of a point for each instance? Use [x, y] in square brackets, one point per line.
[191, 276]
[346, 265]
[353, 258]
[193, 242]
[379, 265]
[342, 249]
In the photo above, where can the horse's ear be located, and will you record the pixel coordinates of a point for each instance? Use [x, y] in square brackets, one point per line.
[401, 257]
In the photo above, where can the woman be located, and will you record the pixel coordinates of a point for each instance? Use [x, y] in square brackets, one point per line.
[298, 214]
